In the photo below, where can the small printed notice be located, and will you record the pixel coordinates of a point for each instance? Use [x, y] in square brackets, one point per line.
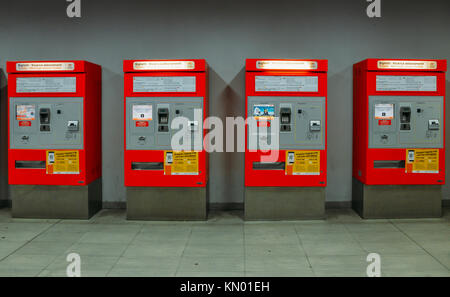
[62, 162]
[422, 161]
[406, 83]
[25, 112]
[142, 112]
[46, 84]
[286, 83]
[163, 65]
[181, 163]
[302, 163]
[164, 84]
[264, 111]
[47, 66]
[406, 64]
[384, 111]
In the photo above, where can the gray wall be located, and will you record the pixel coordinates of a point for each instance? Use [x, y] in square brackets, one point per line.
[225, 33]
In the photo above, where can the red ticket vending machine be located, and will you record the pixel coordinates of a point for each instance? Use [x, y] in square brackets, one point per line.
[291, 186]
[54, 146]
[164, 181]
[398, 137]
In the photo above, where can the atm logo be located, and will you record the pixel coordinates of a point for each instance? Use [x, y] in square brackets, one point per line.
[141, 124]
[384, 122]
[25, 124]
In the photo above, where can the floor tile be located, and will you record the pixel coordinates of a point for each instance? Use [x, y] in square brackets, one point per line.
[119, 272]
[412, 265]
[211, 264]
[43, 248]
[24, 262]
[214, 250]
[339, 247]
[209, 274]
[59, 236]
[370, 226]
[107, 237]
[294, 250]
[149, 264]
[339, 266]
[155, 249]
[276, 263]
[97, 265]
[284, 273]
[8, 247]
[97, 249]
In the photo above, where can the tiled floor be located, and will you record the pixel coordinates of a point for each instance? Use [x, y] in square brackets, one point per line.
[224, 246]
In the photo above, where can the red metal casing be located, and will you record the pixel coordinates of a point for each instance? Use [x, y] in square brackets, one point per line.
[277, 178]
[364, 85]
[155, 178]
[88, 86]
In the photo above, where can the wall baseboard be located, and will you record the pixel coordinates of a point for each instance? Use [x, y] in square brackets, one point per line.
[223, 206]
[338, 204]
[226, 206]
[114, 205]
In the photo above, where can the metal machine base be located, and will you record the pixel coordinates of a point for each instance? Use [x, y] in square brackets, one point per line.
[164, 203]
[396, 201]
[284, 203]
[56, 202]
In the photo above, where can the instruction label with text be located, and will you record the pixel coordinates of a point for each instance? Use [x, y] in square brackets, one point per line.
[181, 163]
[406, 83]
[422, 161]
[46, 85]
[302, 163]
[62, 162]
[286, 83]
[164, 84]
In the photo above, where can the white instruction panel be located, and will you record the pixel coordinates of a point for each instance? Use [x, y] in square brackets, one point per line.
[384, 111]
[286, 83]
[164, 84]
[142, 112]
[406, 83]
[46, 85]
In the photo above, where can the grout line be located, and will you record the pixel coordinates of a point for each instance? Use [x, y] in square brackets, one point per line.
[426, 251]
[184, 249]
[121, 255]
[350, 233]
[304, 250]
[29, 241]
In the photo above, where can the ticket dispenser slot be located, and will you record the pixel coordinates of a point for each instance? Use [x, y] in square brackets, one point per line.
[405, 118]
[285, 119]
[163, 120]
[44, 119]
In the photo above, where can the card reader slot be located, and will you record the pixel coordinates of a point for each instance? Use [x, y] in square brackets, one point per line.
[389, 164]
[30, 164]
[147, 166]
[268, 166]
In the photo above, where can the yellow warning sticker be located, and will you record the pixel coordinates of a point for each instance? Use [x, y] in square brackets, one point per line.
[62, 162]
[180, 163]
[422, 161]
[302, 163]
